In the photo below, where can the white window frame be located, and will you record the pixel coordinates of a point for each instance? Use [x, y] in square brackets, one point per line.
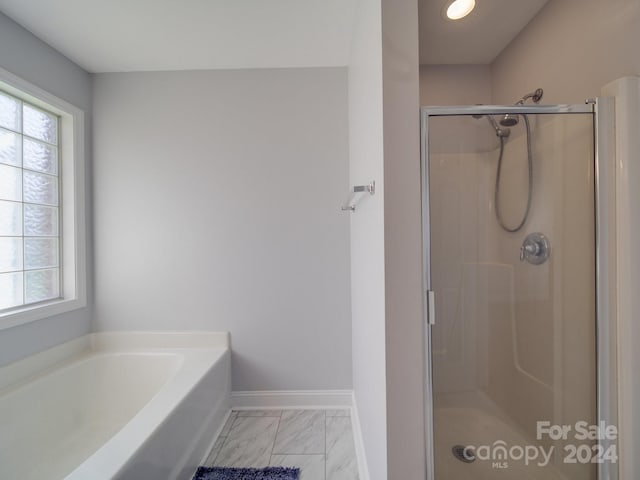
[72, 227]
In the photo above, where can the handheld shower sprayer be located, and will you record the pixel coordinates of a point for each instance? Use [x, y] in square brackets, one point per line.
[503, 131]
[500, 132]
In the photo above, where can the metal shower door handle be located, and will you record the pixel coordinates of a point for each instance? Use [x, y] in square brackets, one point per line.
[431, 307]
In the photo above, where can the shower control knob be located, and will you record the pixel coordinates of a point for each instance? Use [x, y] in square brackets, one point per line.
[535, 249]
[531, 250]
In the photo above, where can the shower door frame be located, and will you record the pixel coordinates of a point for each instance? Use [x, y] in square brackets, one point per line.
[602, 111]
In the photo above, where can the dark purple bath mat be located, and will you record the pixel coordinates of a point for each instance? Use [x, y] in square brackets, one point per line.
[226, 473]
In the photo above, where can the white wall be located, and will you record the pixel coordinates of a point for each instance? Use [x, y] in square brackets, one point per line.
[627, 143]
[571, 49]
[366, 163]
[385, 239]
[217, 205]
[24, 55]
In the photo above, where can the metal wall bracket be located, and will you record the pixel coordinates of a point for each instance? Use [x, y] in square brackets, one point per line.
[350, 206]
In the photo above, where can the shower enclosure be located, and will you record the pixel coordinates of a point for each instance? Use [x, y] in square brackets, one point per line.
[518, 337]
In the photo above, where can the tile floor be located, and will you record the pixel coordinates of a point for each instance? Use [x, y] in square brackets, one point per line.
[320, 442]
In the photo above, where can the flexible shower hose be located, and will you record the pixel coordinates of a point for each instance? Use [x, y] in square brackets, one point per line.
[496, 197]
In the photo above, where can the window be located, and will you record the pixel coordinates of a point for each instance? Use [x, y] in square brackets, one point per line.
[29, 204]
[41, 204]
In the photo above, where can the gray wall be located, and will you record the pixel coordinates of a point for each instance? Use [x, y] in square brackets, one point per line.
[26, 56]
[403, 241]
[217, 206]
[571, 49]
[455, 84]
[592, 43]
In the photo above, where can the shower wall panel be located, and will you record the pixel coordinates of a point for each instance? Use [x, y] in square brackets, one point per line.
[551, 319]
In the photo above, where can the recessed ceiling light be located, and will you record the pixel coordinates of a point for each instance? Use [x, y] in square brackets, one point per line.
[460, 9]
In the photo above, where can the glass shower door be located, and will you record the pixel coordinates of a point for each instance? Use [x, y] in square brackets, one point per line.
[512, 260]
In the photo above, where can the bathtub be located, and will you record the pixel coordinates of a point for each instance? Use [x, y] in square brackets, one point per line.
[114, 406]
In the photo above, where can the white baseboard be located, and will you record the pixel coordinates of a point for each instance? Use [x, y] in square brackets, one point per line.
[363, 469]
[292, 399]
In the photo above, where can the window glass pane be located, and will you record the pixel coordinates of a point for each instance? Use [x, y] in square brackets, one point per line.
[9, 112]
[10, 254]
[29, 199]
[41, 285]
[10, 289]
[40, 188]
[10, 218]
[10, 148]
[40, 125]
[10, 183]
[40, 156]
[40, 221]
[40, 252]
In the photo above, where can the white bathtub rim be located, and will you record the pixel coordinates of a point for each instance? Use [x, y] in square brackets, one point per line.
[40, 364]
[134, 340]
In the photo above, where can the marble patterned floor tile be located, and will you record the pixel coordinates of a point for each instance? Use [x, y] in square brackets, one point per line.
[341, 455]
[214, 451]
[301, 432]
[311, 466]
[338, 412]
[259, 413]
[250, 443]
[227, 426]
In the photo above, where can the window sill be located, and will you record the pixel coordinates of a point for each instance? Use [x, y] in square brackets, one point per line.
[40, 311]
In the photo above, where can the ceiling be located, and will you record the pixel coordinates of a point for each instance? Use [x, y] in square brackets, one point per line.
[142, 35]
[147, 35]
[475, 39]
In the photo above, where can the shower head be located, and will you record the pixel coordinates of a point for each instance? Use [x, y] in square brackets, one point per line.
[536, 96]
[510, 119]
[500, 132]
